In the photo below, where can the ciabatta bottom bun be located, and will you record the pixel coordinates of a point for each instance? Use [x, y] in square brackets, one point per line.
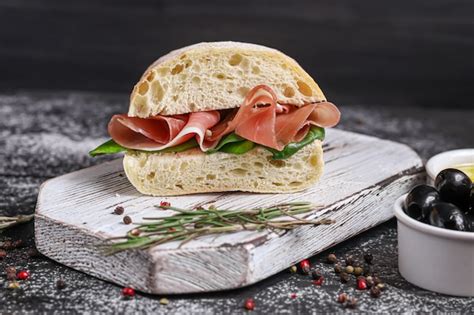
[192, 171]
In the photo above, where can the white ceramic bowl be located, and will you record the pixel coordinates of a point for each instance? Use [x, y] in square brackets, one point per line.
[433, 258]
[445, 160]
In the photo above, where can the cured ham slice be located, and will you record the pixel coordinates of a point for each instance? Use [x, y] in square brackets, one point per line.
[260, 119]
[161, 132]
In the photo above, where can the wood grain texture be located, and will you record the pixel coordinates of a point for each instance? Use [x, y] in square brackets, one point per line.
[363, 176]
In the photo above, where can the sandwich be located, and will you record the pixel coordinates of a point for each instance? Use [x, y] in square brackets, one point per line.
[222, 116]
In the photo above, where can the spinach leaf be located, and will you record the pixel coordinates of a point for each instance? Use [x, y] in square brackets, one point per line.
[238, 147]
[315, 133]
[109, 147]
[230, 138]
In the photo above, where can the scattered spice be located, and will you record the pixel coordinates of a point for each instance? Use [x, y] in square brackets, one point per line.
[249, 304]
[119, 210]
[164, 301]
[305, 266]
[127, 219]
[293, 269]
[377, 280]
[33, 252]
[165, 204]
[13, 285]
[368, 257]
[358, 271]
[380, 286]
[293, 295]
[316, 274]
[370, 281]
[367, 270]
[349, 260]
[337, 268]
[128, 292]
[351, 302]
[341, 298]
[11, 273]
[22, 275]
[135, 232]
[11, 244]
[375, 292]
[361, 283]
[60, 284]
[344, 277]
[319, 282]
[3, 254]
[331, 259]
[349, 269]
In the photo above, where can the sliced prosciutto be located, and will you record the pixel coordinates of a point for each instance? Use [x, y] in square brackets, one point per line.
[260, 119]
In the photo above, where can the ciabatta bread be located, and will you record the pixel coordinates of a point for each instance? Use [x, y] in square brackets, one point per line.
[164, 174]
[213, 76]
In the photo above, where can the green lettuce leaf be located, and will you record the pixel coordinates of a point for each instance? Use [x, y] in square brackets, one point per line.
[315, 133]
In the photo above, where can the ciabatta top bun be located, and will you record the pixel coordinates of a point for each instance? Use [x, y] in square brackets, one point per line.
[218, 75]
[221, 117]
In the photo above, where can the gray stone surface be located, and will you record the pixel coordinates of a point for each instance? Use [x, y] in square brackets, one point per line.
[46, 134]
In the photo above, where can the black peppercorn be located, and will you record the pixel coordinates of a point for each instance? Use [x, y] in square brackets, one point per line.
[344, 277]
[331, 259]
[351, 302]
[368, 257]
[376, 280]
[316, 274]
[33, 253]
[127, 219]
[367, 270]
[337, 268]
[375, 292]
[349, 260]
[119, 210]
[60, 284]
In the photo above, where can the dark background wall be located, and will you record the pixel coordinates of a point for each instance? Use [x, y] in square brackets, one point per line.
[369, 51]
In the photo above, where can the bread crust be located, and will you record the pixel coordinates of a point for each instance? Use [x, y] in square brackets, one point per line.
[204, 77]
[190, 172]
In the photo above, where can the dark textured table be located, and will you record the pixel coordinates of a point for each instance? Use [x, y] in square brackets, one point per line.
[46, 134]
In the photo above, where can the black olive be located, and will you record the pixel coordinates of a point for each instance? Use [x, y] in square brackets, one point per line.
[419, 201]
[454, 186]
[471, 201]
[446, 215]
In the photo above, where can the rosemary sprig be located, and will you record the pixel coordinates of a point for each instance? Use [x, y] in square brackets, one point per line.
[188, 224]
[6, 222]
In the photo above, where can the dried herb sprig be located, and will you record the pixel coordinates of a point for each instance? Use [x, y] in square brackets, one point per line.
[6, 222]
[188, 224]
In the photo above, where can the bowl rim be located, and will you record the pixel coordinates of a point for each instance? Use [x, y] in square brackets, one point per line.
[438, 158]
[426, 228]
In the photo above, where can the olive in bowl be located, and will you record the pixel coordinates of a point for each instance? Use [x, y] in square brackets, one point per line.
[454, 187]
[420, 201]
[448, 216]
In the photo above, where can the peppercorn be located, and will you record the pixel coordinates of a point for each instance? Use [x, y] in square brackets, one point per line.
[305, 266]
[249, 304]
[344, 277]
[381, 286]
[60, 284]
[33, 252]
[368, 257]
[316, 274]
[3, 254]
[370, 281]
[337, 268]
[135, 232]
[375, 292]
[341, 298]
[367, 270]
[293, 269]
[358, 271]
[119, 210]
[128, 292]
[11, 273]
[349, 260]
[165, 204]
[376, 279]
[349, 269]
[361, 283]
[22, 275]
[351, 302]
[13, 285]
[293, 295]
[127, 219]
[164, 301]
[319, 281]
[331, 259]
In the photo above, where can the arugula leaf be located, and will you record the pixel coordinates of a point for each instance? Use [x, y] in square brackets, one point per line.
[230, 138]
[315, 133]
[238, 147]
[109, 147]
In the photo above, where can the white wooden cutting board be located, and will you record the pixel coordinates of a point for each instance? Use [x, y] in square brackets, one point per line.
[363, 177]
